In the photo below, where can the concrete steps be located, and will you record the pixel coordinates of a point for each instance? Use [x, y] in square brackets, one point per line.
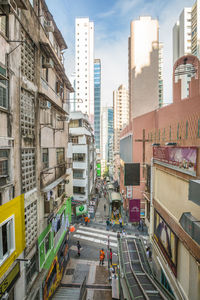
[65, 293]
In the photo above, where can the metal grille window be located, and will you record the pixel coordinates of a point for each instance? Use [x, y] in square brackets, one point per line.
[31, 270]
[45, 158]
[31, 223]
[78, 174]
[27, 114]
[28, 169]
[60, 155]
[3, 162]
[27, 57]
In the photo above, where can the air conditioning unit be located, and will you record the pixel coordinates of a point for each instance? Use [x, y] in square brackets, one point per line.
[48, 25]
[48, 63]
[10, 4]
[45, 104]
[62, 118]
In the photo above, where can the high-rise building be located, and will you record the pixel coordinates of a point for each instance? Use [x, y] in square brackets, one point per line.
[106, 136]
[143, 66]
[160, 75]
[195, 29]
[120, 113]
[182, 34]
[84, 65]
[97, 101]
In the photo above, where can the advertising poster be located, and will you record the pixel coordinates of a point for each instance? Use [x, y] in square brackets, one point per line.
[129, 193]
[134, 210]
[184, 159]
[81, 210]
[166, 239]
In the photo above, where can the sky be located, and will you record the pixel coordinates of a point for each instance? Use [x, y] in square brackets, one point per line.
[112, 28]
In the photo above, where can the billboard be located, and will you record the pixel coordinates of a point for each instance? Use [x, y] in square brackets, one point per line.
[183, 159]
[166, 240]
[134, 210]
[98, 170]
[131, 174]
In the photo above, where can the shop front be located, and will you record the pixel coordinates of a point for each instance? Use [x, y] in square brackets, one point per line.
[7, 285]
[55, 273]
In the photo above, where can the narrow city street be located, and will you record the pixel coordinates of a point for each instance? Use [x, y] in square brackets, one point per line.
[92, 238]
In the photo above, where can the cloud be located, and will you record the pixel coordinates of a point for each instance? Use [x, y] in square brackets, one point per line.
[106, 14]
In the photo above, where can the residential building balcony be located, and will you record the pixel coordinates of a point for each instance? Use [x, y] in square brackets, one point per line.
[80, 182]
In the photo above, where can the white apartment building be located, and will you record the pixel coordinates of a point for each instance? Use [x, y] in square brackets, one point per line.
[84, 66]
[120, 113]
[182, 34]
[83, 156]
[143, 66]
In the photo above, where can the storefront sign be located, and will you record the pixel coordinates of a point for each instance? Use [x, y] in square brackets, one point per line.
[129, 193]
[134, 210]
[184, 159]
[81, 210]
[10, 280]
[92, 202]
[91, 209]
[167, 240]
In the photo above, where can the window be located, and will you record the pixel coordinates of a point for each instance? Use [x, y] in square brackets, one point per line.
[77, 174]
[3, 162]
[79, 190]
[31, 270]
[7, 238]
[45, 158]
[3, 90]
[186, 130]
[47, 242]
[45, 72]
[3, 23]
[60, 155]
[198, 129]
[79, 157]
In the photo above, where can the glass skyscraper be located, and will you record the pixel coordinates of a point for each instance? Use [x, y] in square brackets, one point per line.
[97, 101]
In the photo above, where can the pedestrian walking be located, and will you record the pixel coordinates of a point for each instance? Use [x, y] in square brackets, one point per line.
[113, 224]
[107, 224]
[78, 248]
[120, 222]
[118, 235]
[104, 207]
[141, 225]
[101, 257]
[123, 232]
[111, 256]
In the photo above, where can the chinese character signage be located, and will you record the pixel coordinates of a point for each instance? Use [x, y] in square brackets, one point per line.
[129, 193]
[183, 159]
[98, 170]
[134, 210]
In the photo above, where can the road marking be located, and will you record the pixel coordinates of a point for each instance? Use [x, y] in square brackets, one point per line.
[103, 236]
[96, 241]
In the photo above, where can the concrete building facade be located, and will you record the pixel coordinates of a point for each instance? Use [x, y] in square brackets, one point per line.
[83, 156]
[143, 66]
[33, 137]
[172, 210]
[84, 66]
[120, 113]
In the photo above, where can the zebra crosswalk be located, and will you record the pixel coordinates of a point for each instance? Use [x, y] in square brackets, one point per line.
[95, 235]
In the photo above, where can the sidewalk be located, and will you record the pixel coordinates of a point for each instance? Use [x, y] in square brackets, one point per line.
[101, 215]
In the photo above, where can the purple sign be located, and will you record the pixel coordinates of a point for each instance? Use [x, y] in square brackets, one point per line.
[184, 159]
[134, 210]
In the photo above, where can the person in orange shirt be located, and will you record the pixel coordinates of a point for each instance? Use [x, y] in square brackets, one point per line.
[86, 220]
[101, 257]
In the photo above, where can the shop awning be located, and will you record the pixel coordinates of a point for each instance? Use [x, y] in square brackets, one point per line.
[53, 184]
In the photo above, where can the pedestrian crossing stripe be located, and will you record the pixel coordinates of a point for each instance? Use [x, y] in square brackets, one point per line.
[96, 241]
[93, 234]
[98, 230]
